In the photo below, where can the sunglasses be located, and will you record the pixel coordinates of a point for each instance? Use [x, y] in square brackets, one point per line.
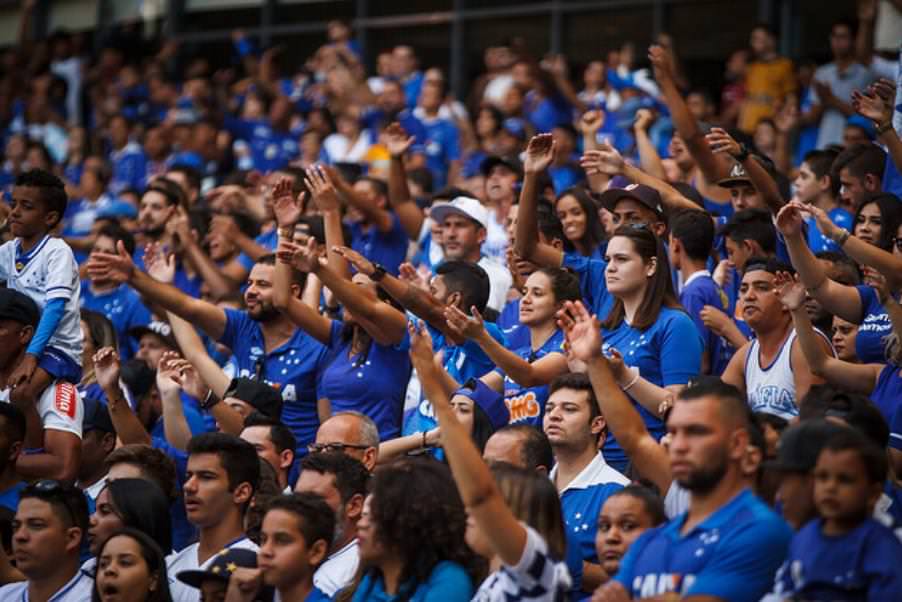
[315, 448]
[51, 489]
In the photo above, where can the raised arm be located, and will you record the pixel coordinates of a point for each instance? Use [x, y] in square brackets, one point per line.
[120, 268]
[877, 104]
[539, 155]
[721, 142]
[857, 377]
[649, 158]
[622, 418]
[128, 428]
[326, 199]
[475, 483]
[409, 214]
[838, 299]
[382, 218]
[175, 425]
[589, 124]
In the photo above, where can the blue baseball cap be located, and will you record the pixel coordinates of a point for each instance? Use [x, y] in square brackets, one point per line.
[491, 402]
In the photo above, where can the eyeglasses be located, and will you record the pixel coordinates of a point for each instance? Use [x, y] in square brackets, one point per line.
[315, 448]
[51, 488]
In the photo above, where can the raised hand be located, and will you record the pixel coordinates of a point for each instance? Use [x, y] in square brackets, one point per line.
[872, 105]
[644, 119]
[714, 319]
[539, 153]
[412, 276]
[591, 122]
[360, 263]
[582, 330]
[787, 119]
[106, 368]
[167, 373]
[618, 366]
[422, 355]
[319, 182]
[790, 291]
[662, 63]
[396, 140]
[789, 220]
[117, 267]
[824, 223]
[721, 142]
[159, 265]
[179, 227]
[285, 206]
[466, 326]
[605, 160]
[189, 379]
[304, 257]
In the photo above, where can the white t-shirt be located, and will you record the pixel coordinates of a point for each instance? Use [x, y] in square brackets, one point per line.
[537, 577]
[187, 560]
[338, 570]
[676, 502]
[77, 589]
[48, 271]
[59, 407]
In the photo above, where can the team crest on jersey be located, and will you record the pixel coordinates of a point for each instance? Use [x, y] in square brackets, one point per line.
[523, 407]
[65, 399]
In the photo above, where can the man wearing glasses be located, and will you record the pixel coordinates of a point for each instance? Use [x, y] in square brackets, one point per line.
[351, 433]
[47, 533]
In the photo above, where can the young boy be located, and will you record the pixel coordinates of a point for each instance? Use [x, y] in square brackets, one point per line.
[295, 538]
[44, 268]
[815, 185]
[845, 554]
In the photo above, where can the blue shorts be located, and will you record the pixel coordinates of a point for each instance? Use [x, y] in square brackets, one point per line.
[59, 365]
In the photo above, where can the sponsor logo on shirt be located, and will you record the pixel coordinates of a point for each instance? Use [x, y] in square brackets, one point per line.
[523, 406]
[65, 399]
[654, 584]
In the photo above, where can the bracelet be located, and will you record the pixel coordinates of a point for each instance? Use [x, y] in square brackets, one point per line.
[841, 238]
[209, 401]
[882, 129]
[743, 153]
[286, 232]
[423, 446]
[632, 382]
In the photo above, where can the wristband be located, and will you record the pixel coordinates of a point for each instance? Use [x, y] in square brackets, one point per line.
[743, 153]
[378, 273]
[841, 237]
[882, 129]
[209, 401]
[632, 382]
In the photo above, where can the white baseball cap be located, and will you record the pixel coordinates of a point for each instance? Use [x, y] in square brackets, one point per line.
[462, 205]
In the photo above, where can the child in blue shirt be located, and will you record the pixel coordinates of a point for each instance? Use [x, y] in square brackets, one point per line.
[845, 554]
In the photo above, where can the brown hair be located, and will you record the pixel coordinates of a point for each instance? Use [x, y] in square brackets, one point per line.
[534, 500]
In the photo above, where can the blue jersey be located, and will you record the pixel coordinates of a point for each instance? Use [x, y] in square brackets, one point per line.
[124, 309]
[292, 369]
[732, 555]
[860, 565]
[887, 393]
[817, 241]
[669, 352]
[267, 240]
[592, 284]
[442, 146]
[9, 498]
[516, 335]
[546, 113]
[448, 582]
[129, 168]
[386, 248]
[582, 499]
[565, 176]
[527, 404]
[372, 383]
[270, 149]
[895, 429]
[698, 291]
[873, 328]
[79, 218]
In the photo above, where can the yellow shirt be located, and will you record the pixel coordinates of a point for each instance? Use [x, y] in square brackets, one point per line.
[766, 84]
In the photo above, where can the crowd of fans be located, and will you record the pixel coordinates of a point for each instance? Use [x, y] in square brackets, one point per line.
[317, 333]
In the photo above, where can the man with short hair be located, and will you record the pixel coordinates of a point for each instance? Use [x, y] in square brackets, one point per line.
[273, 442]
[12, 437]
[815, 185]
[98, 440]
[153, 340]
[50, 523]
[859, 170]
[222, 474]
[342, 482]
[352, 433]
[521, 445]
[574, 425]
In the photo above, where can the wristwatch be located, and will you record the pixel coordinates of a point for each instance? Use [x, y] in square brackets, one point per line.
[209, 401]
[378, 273]
[743, 153]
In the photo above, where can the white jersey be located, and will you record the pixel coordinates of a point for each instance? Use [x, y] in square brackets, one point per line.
[338, 570]
[48, 271]
[186, 560]
[77, 589]
[772, 389]
[59, 407]
[537, 577]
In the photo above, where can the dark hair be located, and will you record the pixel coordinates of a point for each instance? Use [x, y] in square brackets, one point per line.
[854, 409]
[732, 402]
[564, 284]
[844, 263]
[873, 457]
[549, 224]
[417, 512]
[651, 501]
[820, 162]
[170, 190]
[68, 502]
[153, 462]
[659, 292]
[694, 229]
[890, 214]
[281, 436]
[155, 558]
[536, 450]
[117, 233]
[752, 224]
[768, 264]
[14, 425]
[469, 280]
[861, 160]
[191, 174]
[52, 191]
[351, 476]
[316, 520]
[579, 382]
[422, 177]
[237, 456]
[533, 499]
[594, 234]
[297, 277]
[141, 505]
[379, 185]
[100, 329]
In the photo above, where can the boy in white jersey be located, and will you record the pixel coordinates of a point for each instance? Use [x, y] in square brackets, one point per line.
[44, 268]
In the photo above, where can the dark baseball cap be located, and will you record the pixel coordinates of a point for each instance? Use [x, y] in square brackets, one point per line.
[97, 416]
[492, 161]
[18, 307]
[801, 444]
[138, 377]
[224, 563]
[263, 397]
[160, 329]
[645, 195]
[738, 174]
